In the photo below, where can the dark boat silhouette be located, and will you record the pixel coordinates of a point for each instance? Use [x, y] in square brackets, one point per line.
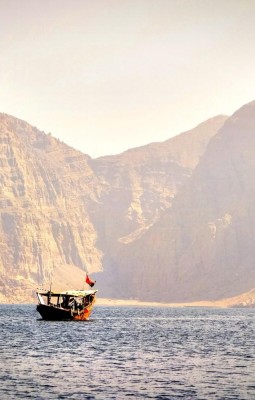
[68, 305]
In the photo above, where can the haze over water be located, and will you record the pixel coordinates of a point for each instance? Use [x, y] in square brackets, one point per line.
[128, 352]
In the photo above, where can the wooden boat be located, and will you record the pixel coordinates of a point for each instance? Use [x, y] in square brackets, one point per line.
[69, 305]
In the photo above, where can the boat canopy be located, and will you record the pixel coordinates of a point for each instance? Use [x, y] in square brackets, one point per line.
[74, 293]
[79, 293]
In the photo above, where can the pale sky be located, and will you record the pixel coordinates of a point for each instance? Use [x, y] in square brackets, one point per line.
[108, 75]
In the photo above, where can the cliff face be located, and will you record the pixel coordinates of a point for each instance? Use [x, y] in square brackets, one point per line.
[44, 222]
[63, 213]
[203, 248]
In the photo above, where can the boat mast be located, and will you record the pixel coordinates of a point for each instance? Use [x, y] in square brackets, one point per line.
[51, 277]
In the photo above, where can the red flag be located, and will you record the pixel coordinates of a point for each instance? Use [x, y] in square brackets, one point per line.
[89, 281]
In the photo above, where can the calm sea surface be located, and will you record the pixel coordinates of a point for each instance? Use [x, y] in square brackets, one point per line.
[128, 353]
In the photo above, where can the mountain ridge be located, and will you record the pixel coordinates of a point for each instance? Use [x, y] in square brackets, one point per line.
[63, 211]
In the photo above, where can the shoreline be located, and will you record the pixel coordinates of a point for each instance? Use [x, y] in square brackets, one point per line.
[122, 303]
[246, 300]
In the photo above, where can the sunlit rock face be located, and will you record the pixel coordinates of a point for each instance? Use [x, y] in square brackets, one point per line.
[44, 222]
[203, 247]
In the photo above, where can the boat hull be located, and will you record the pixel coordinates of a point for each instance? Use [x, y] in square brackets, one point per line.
[52, 313]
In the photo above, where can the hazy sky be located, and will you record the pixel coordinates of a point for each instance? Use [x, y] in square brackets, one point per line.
[107, 75]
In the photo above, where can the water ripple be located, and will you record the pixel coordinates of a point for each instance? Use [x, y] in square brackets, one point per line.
[128, 353]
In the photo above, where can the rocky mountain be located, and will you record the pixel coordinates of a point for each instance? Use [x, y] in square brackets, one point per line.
[63, 213]
[45, 227]
[203, 247]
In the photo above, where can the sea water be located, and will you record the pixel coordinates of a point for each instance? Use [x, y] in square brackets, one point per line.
[128, 353]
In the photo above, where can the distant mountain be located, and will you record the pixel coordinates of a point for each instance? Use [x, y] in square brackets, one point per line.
[141, 183]
[203, 247]
[63, 213]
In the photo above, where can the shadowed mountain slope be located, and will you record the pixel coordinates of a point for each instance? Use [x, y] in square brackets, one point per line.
[203, 248]
[140, 184]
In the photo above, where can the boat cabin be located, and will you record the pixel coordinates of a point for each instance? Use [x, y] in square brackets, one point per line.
[71, 299]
